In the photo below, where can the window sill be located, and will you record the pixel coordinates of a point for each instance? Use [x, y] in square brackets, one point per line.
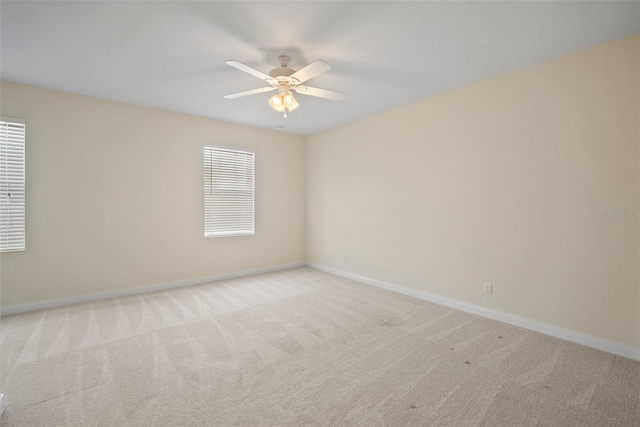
[229, 234]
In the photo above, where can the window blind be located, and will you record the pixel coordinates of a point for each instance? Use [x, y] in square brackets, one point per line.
[228, 192]
[12, 184]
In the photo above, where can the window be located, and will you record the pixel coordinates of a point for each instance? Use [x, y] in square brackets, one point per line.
[228, 192]
[12, 185]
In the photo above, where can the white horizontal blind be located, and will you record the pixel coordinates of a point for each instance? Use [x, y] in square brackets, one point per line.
[228, 192]
[12, 184]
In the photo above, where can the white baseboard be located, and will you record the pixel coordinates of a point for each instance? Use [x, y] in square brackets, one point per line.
[3, 404]
[13, 309]
[554, 331]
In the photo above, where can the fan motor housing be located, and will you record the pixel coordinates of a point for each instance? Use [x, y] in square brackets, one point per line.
[281, 72]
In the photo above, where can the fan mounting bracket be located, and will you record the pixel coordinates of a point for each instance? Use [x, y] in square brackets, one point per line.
[284, 60]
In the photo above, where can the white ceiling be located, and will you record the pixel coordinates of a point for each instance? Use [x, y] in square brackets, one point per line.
[170, 55]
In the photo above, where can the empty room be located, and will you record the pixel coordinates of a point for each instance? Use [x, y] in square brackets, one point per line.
[256, 213]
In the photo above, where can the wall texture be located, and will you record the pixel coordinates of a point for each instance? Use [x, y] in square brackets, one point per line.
[115, 197]
[507, 181]
[518, 180]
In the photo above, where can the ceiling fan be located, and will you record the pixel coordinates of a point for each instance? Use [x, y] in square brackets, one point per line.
[284, 80]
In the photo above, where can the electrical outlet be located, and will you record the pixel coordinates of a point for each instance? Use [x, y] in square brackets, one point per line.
[487, 288]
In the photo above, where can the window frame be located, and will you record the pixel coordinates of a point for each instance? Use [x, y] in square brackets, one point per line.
[19, 121]
[253, 189]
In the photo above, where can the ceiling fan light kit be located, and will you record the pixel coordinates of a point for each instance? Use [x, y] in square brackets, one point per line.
[283, 103]
[284, 80]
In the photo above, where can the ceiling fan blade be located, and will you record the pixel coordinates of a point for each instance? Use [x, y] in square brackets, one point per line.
[321, 93]
[242, 67]
[310, 71]
[249, 92]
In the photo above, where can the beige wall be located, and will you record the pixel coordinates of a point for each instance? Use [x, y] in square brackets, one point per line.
[115, 197]
[505, 181]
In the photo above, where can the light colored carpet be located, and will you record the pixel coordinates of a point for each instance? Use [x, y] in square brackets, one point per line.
[294, 348]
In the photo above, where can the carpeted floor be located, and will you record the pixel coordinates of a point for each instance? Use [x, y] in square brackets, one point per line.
[295, 348]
